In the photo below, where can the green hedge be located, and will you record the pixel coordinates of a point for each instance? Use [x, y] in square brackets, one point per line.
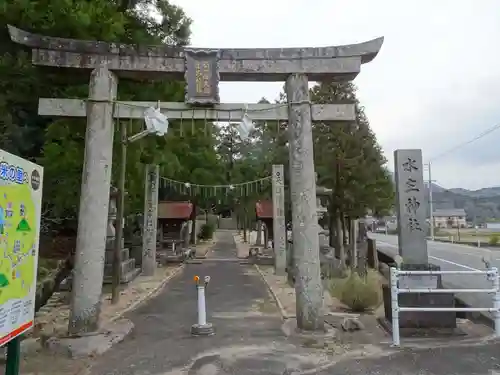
[207, 231]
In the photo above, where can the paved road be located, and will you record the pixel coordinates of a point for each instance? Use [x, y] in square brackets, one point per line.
[464, 360]
[453, 257]
[248, 339]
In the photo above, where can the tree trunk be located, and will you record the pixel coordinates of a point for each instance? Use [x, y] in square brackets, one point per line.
[332, 215]
[344, 228]
[245, 225]
[352, 244]
[362, 245]
[339, 244]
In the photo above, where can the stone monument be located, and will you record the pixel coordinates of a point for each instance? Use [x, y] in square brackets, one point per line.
[412, 233]
[279, 223]
[149, 232]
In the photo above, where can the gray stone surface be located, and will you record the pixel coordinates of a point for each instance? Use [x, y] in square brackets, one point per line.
[92, 344]
[350, 324]
[308, 287]
[279, 224]
[264, 64]
[177, 110]
[202, 330]
[410, 207]
[151, 185]
[94, 200]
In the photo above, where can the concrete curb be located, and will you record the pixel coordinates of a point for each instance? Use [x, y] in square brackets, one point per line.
[150, 294]
[283, 313]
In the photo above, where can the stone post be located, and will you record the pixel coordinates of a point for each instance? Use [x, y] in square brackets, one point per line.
[112, 209]
[186, 233]
[88, 272]
[411, 213]
[266, 237]
[308, 286]
[279, 225]
[152, 176]
[258, 240]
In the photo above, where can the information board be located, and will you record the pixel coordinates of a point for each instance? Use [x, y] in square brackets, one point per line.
[20, 208]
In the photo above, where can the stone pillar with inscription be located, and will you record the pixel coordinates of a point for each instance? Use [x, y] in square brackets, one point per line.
[150, 220]
[88, 272]
[410, 205]
[412, 233]
[279, 225]
[306, 263]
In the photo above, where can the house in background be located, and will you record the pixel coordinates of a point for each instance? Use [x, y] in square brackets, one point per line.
[449, 218]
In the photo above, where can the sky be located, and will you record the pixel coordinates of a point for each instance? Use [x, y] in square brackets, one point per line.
[435, 84]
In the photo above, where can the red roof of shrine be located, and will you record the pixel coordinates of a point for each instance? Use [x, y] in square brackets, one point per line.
[264, 209]
[174, 210]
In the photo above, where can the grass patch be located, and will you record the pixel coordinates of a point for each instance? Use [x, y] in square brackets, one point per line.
[358, 294]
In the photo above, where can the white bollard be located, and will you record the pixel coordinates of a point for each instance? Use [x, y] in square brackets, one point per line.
[202, 328]
[496, 300]
[202, 313]
[394, 306]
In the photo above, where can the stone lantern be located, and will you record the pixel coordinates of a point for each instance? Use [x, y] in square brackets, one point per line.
[320, 209]
[111, 230]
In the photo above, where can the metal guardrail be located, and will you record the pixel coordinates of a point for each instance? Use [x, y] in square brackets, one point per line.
[491, 275]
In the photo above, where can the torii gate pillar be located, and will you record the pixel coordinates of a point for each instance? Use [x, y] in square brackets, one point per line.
[308, 287]
[94, 201]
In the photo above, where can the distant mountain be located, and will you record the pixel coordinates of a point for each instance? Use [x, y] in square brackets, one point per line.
[479, 205]
[480, 193]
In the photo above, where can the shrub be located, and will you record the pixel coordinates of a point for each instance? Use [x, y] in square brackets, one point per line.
[206, 231]
[359, 294]
[493, 240]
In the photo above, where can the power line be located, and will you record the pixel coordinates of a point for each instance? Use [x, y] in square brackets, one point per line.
[483, 134]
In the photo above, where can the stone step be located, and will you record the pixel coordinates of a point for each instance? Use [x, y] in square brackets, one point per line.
[126, 266]
[109, 255]
[125, 278]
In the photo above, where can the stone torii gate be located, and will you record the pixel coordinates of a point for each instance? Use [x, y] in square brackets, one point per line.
[202, 69]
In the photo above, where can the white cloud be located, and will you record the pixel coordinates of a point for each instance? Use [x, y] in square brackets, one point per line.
[435, 83]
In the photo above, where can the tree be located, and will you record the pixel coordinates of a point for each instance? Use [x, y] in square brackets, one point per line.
[58, 145]
[349, 161]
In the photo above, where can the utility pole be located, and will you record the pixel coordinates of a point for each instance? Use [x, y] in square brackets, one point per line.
[431, 209]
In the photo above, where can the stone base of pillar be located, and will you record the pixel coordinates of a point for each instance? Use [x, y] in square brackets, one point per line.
[202, 330]
[416, 322]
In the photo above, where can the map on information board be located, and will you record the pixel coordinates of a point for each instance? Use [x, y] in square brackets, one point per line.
[20, 209]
